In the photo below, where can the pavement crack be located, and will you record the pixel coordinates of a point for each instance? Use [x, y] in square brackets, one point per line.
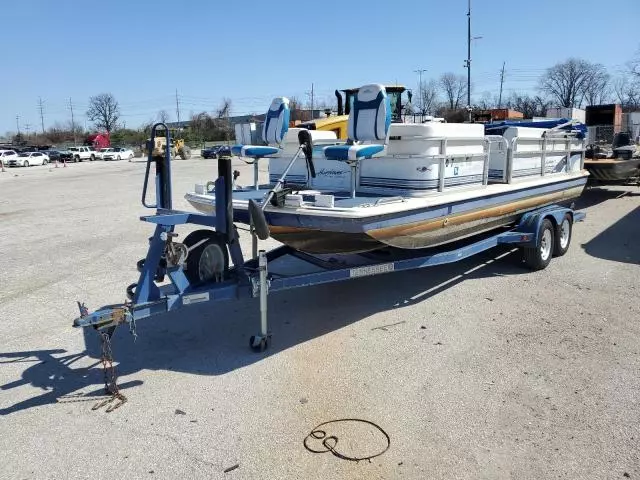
[182, 449]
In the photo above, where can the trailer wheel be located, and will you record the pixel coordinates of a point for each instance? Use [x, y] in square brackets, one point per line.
[563, 235]
[538, 257]
[208, 257]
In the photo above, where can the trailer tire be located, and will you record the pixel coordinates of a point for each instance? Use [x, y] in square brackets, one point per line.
[208, 257]
[564, 232]
[538, 257]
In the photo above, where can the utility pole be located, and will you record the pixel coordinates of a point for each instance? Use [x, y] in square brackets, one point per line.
[420, 72]
[73, 123]
[501, 84]
[469, 59]
[40, 107]
[18, 123]
[177, 108]
[27, 128]
[310, 94]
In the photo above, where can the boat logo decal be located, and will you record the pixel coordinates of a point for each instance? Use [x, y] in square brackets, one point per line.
[423, 169]
[331, 173]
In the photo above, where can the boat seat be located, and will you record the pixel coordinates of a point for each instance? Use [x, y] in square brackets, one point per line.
[352, 152]
[254, 151]
[276, 124]
[369, 121]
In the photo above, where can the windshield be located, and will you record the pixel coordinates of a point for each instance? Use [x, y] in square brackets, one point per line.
[24, 154]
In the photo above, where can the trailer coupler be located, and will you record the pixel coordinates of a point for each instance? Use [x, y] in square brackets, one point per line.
[107, 317]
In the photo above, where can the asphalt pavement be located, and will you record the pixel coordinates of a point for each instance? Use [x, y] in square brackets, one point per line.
[479, 369]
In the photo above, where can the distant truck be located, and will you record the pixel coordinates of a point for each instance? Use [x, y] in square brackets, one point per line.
[98, 140]
[83, 153]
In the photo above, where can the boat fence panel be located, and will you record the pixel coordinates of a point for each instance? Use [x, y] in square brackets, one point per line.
[533, 152]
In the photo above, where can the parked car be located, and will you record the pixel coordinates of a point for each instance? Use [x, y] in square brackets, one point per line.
[211, 152]
[118, 153]
[6, 155]
[60, 155]
[27, 159]
[83, 153]
[100, 153]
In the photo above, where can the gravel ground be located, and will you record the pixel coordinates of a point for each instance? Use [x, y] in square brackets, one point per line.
[481, 369]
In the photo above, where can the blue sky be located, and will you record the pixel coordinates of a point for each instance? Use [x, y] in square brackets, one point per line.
[251, 50]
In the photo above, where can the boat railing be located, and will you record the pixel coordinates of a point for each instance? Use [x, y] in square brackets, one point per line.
[444, 155]
[568, 150]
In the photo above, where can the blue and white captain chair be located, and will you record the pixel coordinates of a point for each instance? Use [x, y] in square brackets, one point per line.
[369, 121]
[276, 125]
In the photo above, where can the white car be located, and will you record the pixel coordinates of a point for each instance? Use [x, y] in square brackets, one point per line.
[27, 159]
[6, 155]
[118, 153]
[100, 153]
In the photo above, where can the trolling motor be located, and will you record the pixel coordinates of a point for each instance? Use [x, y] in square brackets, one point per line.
[278, 193]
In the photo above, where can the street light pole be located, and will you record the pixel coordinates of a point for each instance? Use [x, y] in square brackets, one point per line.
[419, 72]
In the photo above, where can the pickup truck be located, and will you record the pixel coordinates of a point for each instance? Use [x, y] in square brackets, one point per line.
[83, 153]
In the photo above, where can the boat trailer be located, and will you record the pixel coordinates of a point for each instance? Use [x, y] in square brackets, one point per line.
[209, 266]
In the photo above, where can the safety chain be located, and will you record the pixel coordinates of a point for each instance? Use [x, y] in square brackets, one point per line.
[110, 376]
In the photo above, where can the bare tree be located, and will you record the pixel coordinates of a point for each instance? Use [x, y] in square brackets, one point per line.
[295, 109]
[567, 82]
[224, 110]
[163, 116]
[428, 97]
[454, 88]
[627, 92]
[104, 111]
[596, 90]
[634, 65]
[528, 105]
[487, 101]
